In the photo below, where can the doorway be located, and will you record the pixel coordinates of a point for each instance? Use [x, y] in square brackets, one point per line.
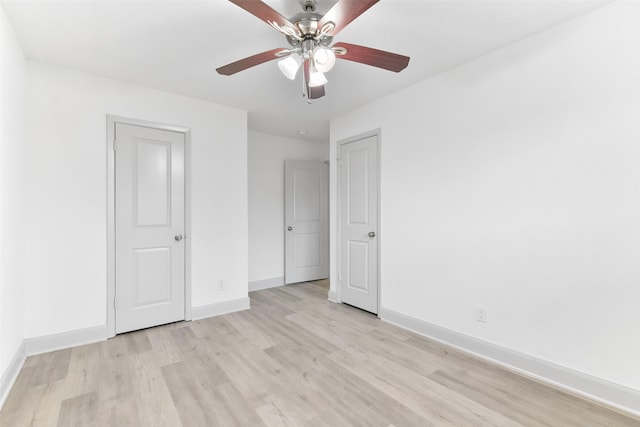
[306, 221]
[359, 222]
[148, 225]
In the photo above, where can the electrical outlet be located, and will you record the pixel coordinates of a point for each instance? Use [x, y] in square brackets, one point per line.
[481, 314]
[221, 285]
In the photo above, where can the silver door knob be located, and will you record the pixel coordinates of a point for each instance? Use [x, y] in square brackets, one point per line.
[372, 234]
[178, 237]
[290, 228]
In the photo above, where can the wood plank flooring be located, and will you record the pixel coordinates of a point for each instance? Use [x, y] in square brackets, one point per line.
[294, 359]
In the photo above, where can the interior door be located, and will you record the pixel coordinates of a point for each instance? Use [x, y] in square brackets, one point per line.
[359, 223]
[306, 221]
[150, 253]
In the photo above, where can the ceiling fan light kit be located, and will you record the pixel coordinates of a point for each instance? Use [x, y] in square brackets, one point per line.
[310, 35]
[290, 66]
[323, 58]
[316, 78]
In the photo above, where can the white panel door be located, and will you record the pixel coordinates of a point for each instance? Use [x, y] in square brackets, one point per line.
[306, 221]
[150, 254]
[359, 223]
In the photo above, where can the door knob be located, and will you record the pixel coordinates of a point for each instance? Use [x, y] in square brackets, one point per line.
[178, 237]
[290, 228]
[372, 234]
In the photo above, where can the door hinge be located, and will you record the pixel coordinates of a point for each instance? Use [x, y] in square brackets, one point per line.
[115, 303]
[115, 145]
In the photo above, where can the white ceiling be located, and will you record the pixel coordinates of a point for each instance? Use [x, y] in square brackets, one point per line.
[177, 45]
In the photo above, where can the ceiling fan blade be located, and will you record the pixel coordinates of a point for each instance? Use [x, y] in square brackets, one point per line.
[313, 92]
[316, 92]
[249, 62]
[345, 11]
[374, 57]
[264, 12]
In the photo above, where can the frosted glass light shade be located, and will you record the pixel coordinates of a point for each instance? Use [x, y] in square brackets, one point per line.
[323, 58]
[290, 65]
[316, 78]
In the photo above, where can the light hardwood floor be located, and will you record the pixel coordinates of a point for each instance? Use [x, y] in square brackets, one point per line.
[293, 359]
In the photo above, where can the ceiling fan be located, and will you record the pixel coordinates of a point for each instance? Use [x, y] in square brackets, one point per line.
[310, 36]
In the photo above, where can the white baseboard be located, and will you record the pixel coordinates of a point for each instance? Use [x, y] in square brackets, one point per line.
[615, 395]
[11, 373]
[258, 285]
[219, 308]
[333, 296]
[62, 340]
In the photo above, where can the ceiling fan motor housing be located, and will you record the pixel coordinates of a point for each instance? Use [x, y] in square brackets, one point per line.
[307, 25]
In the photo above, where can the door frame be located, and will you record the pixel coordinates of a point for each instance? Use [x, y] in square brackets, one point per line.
[340, 143]
[324, 208]
[111, 209]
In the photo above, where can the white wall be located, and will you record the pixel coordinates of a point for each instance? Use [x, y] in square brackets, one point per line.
[12, 201]
[66, 219]
[512, 182]
[267, 154]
